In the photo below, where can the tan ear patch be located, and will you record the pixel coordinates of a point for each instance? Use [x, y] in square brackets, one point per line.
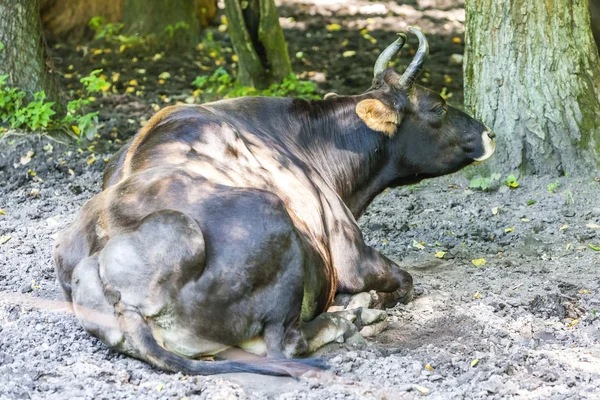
[378, 116]
[330, 94]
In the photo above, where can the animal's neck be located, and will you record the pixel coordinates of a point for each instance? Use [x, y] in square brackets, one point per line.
[351, 158]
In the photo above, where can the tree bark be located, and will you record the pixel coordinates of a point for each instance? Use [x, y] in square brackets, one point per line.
[258, 41]
[532, 74]
[23, 55]
[67, 20]
[146, 17]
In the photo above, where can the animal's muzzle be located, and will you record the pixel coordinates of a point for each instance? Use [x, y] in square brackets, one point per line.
[489, 145]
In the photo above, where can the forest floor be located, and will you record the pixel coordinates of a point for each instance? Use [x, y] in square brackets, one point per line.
[523, 324]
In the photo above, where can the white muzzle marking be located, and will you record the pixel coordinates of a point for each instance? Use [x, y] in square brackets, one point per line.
[489, 146]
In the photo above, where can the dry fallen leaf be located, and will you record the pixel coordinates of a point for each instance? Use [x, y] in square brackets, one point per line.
[333, 27]
[429, 367]
[418, 245]
[34, 192]
[508, 230]
[477, 296]
[421, 389]
[440, 254]
[478, 262]
[349, 53]
[474, 362]
[2, 212]
[584, 291]
[573, 323]
[592, 225]
[563, 227]
[5, 238]
[26, 158]
[495, 210]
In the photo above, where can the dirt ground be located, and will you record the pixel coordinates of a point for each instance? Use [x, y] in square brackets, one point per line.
[524, 325]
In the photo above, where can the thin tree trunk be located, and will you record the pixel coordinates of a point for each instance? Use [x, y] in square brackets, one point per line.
[532, 74]
[145, 17]
[258, 41]
[22, 56]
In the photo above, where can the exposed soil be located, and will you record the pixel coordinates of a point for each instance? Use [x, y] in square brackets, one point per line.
[524, 325]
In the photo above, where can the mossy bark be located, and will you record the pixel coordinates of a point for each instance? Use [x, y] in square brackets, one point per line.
[22, 54]
[532, 74]
[258, 42]
[152, 17]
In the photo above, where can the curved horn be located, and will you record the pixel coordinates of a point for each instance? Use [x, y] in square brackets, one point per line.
[390, 52]
[414, 69]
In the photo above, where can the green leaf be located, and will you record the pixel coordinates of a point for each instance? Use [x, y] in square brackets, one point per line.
[595, 248]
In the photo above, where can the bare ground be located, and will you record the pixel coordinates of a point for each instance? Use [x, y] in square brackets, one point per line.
[524, 325]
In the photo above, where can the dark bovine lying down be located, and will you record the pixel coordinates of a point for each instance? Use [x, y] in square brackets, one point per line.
[233, 224]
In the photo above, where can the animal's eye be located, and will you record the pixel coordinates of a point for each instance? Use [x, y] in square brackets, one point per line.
[440, 109]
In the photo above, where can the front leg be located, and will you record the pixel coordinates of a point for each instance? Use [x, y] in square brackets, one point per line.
[361, 268]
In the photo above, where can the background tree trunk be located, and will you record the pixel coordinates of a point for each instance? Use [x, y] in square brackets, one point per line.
[23, 55]
[258, 41]
[532, 74]
[67, 20]
[145, 17]
[595, 14]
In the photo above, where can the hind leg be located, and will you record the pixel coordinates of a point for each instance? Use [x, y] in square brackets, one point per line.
[90, 305]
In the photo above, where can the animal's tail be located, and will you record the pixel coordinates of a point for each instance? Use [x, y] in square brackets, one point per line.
[138, 335]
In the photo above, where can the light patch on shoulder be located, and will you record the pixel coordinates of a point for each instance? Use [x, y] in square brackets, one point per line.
[378, 116]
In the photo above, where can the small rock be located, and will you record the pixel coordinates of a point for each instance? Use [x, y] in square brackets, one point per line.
[569, 213]
[373, 329]
[26, 288]
[359, 300]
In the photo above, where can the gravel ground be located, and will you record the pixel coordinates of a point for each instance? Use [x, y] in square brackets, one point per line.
[523, 325]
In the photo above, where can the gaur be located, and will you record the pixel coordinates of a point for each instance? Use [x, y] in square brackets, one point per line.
[233, 223]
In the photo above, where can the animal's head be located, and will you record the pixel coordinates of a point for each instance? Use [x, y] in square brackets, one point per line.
[427, 136]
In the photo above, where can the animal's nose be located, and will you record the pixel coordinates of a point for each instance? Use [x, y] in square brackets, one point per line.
[491, 134]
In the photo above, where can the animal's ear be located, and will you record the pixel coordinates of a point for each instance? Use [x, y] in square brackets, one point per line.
[330, 94]
[378, 116]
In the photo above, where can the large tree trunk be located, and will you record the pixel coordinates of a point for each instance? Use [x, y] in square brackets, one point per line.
[67, 20]
[145, 17]
[258, 41]
[22, 57]
[532, 74]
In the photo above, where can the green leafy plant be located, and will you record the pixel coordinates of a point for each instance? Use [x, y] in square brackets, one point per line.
[106, 31]
[223, 84]
[2, 46]
[94, 83]
[171, 30]
[553, 186]
[39, 114]
[511, 182]
[35, 115]
[531, 202]
[484, 183]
